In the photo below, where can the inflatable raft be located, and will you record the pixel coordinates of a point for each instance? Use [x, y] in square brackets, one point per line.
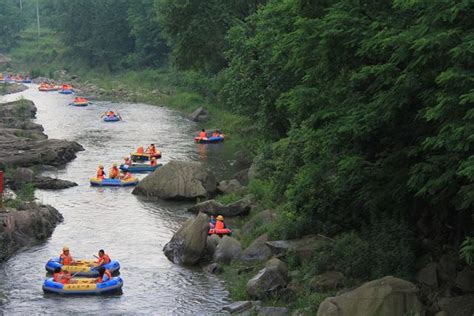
[83, 267]
[84, 287]
[66, 91]
[114, 118]
[210, 140]
[114, 182]
[144, 156]
[139, 167]
[224, 231]
[82, 103]
[47, 89]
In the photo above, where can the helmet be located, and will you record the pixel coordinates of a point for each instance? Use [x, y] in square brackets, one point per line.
[114, 164]
[101, 166]
[153, 158]
[65, 248]
[220, 218]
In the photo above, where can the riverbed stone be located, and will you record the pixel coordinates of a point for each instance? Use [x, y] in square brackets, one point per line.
[26, 227]
[257, 251]
[465, 280]
[268, 281]
[229, 186]
[178, 180]
[188, 244]
[387, 296]
[212, 207]
[227, 250]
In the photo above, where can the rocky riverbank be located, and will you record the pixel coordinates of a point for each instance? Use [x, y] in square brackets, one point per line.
[23, 144]
[9, 88]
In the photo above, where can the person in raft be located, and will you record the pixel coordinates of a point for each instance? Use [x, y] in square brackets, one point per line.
[111, 114]
[79, 100]
[114, 172]
[65, 258]
[63, 277]
[140, 150]
[127, 161]
[216, 133]
[104, 275]
[100, 173]
[126, 175]
[151, 149]
[202, 134]
[103, 258]
[153, 162]
[220, 223]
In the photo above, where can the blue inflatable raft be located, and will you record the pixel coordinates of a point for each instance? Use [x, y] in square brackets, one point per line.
[83, 267]
[84, 287]
[69, 91]
[209, 140]
[115, 118]
[139, 168]
[114, 182]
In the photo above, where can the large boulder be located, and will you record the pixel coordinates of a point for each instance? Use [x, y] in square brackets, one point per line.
[178, 180]
[387, 296]
[465, 280]
[227, 250]
[329, 280]
[304, 248]
[25, 227]
[188, 244]
[257, 251]
[457, 306]
[212, 207]
[229, 186]
[211, 244]
[242, 176]
[269, 281]
[199, 115]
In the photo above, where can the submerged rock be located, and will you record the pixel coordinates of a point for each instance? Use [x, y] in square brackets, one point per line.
[178, 180]
[25, 227]
[188, 244]
[387, 296]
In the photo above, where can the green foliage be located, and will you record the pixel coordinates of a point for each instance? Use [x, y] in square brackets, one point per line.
[12, 22]
[467, 250]
[229, 198]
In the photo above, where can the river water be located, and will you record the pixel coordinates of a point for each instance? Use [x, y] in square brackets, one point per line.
[131, 229]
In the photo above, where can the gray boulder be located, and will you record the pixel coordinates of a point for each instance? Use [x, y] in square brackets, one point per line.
[329, 280]
[242, 176]
[387, 296]
[213, 268]
[20, 177]
[465, 280]
[211, 244]
[242, 160]
[47, 183]
[188, 244]
[178, 180]
[237, 307]
[199, 115]
[257, 251]
[227, 250]
[213, 207]
[268, 281]
[229, 186]
[304, 248]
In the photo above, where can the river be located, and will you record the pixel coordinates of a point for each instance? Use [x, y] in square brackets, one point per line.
[131, 229]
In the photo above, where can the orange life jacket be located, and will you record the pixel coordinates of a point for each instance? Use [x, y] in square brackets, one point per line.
[106, 273]
[219, 225]
[100, 173]
[215, 135]
[66, 260]
[151, 150]
[153, 163]
[56, 277]
[140, 150]
[104, 259]
[114, 172]
[202, 134]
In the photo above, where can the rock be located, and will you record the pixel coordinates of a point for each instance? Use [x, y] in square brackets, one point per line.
[198, 115]
[458, 306]
[428, 275]
[256, 221]
[13, 88]
[242, 160]
[273, 311]
[304, 248]
[212, 207]
[227, 250]
[330, 280]
[178, 180]
[237, 307]
[387, 296]
[229, 186]
[257, 251]
[447, 267]
[22, 228]
[242, 176]
[188, 244]
[47, 183]
[211, 244]
[268, 281]
[20, 177]
[465, 280]
[213, 268]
